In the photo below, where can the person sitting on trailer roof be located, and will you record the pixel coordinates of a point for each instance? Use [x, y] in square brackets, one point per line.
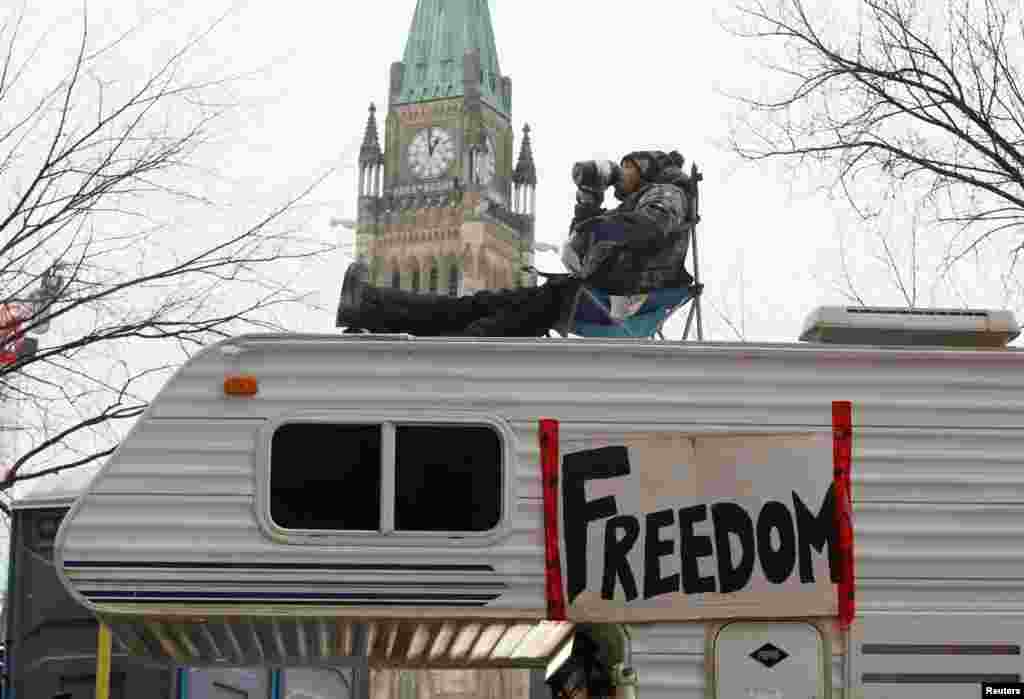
[638, 247]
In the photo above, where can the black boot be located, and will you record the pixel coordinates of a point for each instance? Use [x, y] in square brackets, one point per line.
[526, 312]
[529, 312]
[352, 288]
[383, 310]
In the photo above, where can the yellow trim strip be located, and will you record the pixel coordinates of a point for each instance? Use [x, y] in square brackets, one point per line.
[103, 648]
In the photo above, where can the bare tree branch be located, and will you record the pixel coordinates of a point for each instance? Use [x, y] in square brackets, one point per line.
[922, 101]
[103, 247]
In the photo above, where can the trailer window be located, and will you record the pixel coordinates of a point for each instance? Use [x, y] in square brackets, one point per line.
[389, 477]
[447, 478]
[326, 476]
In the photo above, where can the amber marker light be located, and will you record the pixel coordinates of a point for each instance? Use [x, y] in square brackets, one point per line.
[240, 385]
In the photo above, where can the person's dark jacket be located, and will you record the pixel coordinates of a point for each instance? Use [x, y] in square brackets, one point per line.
[641, 245]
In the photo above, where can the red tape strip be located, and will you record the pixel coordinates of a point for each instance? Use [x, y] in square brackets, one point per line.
[549, 460]
[842, 458]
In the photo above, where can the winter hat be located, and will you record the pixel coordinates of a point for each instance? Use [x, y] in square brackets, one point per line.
[648, 162]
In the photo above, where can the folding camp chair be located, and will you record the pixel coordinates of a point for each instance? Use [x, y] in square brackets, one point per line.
[591, 312]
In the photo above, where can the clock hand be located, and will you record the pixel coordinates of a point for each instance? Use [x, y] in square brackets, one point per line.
[430, 141]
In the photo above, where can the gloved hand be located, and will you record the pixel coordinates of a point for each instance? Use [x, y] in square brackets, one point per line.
[588, 205]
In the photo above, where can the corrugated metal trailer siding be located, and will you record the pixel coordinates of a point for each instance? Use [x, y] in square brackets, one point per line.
[937, 464]
[937, 654]
[902, 464]
[599, 381]
[669, 659]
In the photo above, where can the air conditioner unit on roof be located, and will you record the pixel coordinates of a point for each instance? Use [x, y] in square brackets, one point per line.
[865, 325]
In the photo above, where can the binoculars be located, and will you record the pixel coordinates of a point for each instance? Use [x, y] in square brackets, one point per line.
[596, 175]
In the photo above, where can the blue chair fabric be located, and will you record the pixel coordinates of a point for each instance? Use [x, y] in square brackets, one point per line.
[591, 316]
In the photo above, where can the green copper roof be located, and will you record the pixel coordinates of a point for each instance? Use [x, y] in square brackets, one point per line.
[441, 33]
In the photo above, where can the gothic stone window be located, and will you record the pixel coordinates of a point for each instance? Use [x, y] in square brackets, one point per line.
[453, 280]
[434, 278]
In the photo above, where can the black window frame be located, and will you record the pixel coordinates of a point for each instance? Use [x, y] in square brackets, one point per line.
[454, 280]
[316, 482]
[386, 532]
[435, 277]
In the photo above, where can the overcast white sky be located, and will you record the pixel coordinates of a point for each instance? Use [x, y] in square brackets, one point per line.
[592, 80]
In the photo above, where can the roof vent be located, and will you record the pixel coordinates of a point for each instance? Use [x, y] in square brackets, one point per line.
[879, 326]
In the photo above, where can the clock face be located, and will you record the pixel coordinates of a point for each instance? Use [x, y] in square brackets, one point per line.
[485, 162]
[431, 152]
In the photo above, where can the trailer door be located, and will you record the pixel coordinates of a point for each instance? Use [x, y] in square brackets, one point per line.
[770, 660]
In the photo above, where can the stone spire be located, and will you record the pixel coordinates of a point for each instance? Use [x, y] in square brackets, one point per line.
[442, 33]
[524, 179]
[525, 172]
[371, 161]
[370, 152]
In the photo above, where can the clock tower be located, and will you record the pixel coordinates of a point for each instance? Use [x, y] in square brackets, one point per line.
[442, 206]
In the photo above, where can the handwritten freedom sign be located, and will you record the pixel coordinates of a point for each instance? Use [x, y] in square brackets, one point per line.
[672, 527]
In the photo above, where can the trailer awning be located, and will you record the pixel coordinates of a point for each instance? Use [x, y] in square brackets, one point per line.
[294, 640]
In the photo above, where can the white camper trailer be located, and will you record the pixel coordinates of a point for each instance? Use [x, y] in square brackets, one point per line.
[307, 499]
